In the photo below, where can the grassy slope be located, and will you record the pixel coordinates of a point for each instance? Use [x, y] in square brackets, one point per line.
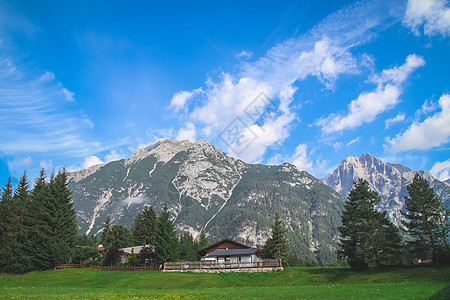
[326, 283]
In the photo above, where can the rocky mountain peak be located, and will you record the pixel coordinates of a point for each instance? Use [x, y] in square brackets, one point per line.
[389, 180]
[163, 150]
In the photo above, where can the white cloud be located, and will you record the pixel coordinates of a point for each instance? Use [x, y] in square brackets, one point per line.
[179, 99]
[47, 165]
[245, 54]
[33, 113]
[26, 162]
[369, 105]
[362, 110]
[337, 146]
[398, 75]
[113, 155]
[441, 170]
[432, 132]
[427, 107]
[398, 118]
[91, 161]
[355, 140]
[434, 15]
[47, 76]
[187, 133]
[68, 94]
[300, 158]
[326, 61]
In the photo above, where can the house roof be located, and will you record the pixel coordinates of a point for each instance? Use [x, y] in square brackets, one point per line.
[234, 252]
[204, 250]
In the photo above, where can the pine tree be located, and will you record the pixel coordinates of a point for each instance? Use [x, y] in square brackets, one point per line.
[59, 226]
[105, 240]
[132, 258]
[277, 245]
[21, 227]
[114, 238]
[188, 247]
[165, 240]
[203, 241]
[426, 220]
[143, 226]
[368, 239]
[6, 218]
[86, 250]
[39, 238]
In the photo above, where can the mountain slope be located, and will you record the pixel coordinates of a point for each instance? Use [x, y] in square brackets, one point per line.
[206, 189]
[389, 180]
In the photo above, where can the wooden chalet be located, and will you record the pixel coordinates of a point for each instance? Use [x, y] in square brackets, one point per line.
[228, 250]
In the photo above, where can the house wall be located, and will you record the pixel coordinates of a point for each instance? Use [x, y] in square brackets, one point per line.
[208, 259]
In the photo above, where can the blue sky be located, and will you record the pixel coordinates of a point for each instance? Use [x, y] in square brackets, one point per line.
[87, 82]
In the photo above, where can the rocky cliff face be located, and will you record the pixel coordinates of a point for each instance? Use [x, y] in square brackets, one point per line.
[206, 189]
[389, 180]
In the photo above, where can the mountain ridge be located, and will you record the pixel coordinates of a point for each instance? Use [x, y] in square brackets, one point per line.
[206, 189]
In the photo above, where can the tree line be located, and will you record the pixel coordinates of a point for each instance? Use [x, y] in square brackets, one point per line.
[38, 227]
[369, 240]
[38, 230]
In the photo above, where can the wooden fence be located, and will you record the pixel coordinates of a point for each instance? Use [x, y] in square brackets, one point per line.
[202, 265]
[108, 268]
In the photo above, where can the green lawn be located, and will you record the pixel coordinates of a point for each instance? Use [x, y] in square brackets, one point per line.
[305, 283]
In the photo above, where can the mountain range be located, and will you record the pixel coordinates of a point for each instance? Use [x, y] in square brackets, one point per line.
[205, 189]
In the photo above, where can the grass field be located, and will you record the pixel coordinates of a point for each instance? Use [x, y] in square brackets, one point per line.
[305, 283]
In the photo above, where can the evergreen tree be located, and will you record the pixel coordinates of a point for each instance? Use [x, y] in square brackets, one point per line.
[188, 247]
[426, 220]
[165, 240]
[39, 236]
[21, 228]
[86, 250]
[105, 239]
[132, 258]
[58, 222]
[277, 245]
[203, 241]
[143, 226]
[6, 218]
[368, 239]
[114, 238]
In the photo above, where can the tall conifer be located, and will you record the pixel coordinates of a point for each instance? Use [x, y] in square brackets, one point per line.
[143, 226]
[6, 218]
[426, 220]
[367, 239]
[165, 241]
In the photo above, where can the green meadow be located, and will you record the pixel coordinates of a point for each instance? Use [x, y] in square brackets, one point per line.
[304, 283]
